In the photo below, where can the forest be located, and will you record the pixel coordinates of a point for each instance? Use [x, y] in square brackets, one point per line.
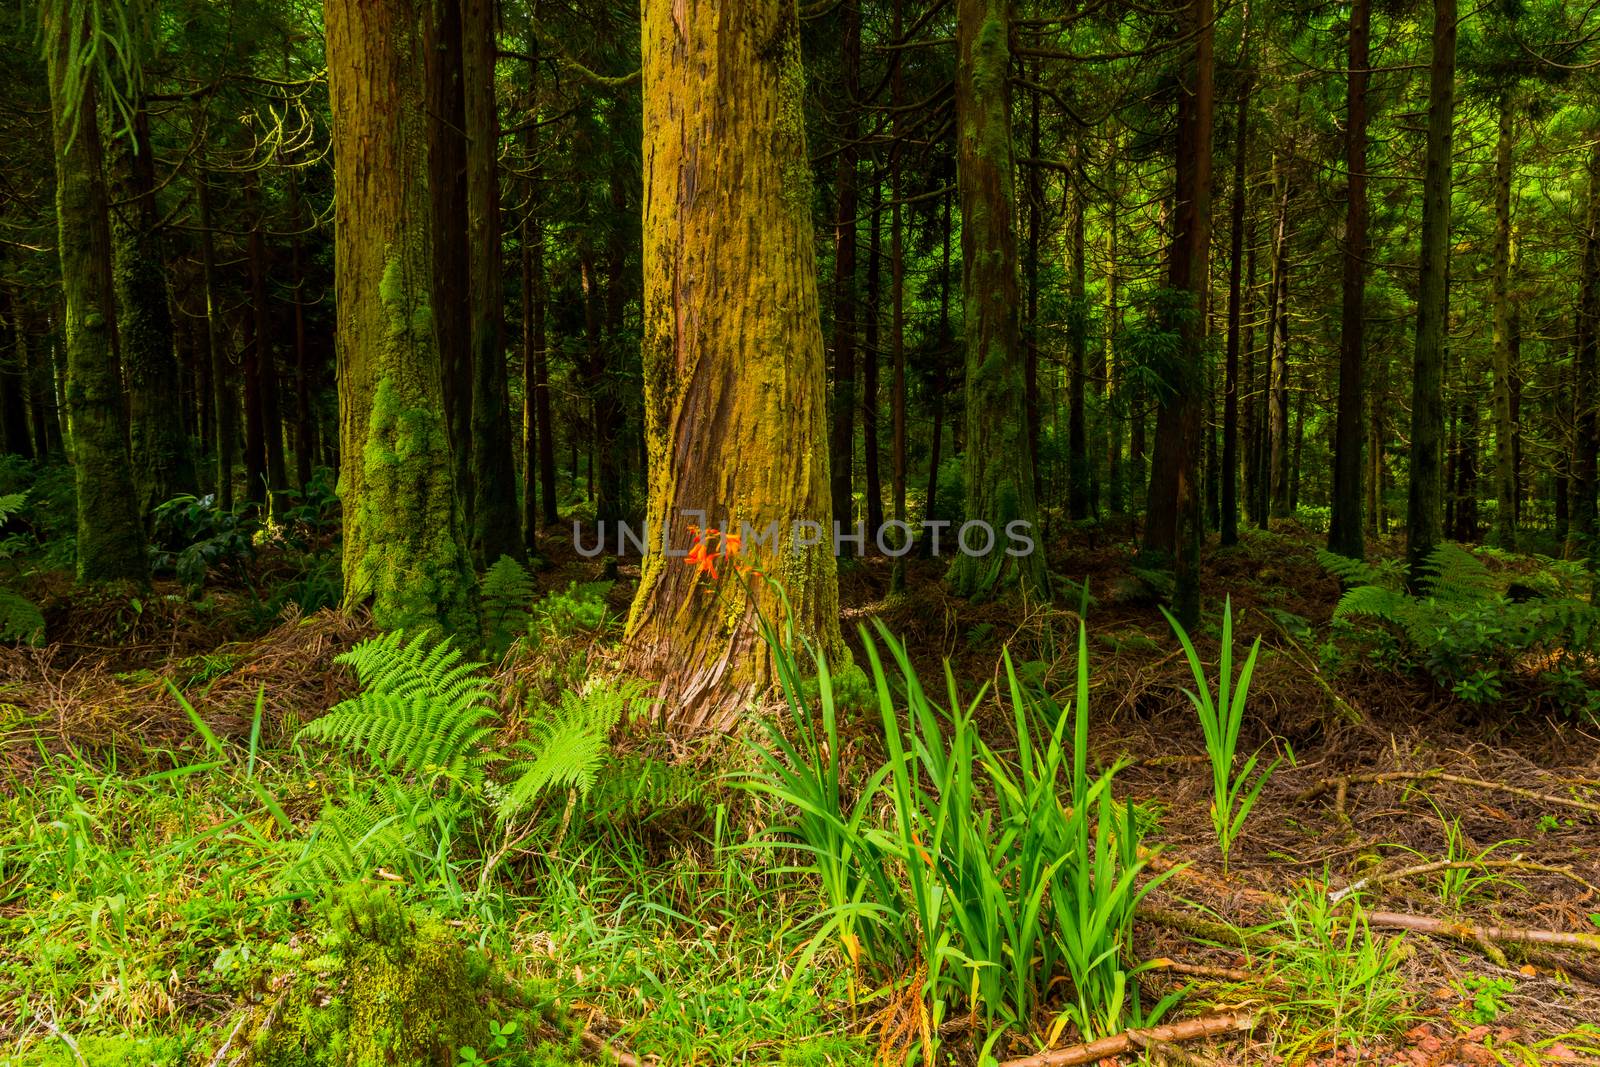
[799, 532]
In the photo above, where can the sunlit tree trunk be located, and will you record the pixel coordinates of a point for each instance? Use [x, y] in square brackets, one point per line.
[404, 544]
[734, 369]
[1173, 528]
[1424, 504]
[997, 464]
[163, 462]
[1345, 529]
[111, 542]
[1505, 428]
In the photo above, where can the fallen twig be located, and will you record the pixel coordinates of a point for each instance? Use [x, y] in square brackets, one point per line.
[1516, 864]
[1201, 970]
[1340, 786]
[1209, 929]
[1129, 1040]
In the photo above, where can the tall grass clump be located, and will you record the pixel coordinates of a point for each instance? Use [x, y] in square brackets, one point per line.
[999, 879]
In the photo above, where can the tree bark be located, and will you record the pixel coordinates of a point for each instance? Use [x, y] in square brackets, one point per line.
[1581, 528]
[495, 530]
[163, 462]
[734, 367]
[871, 453]
[405, 548]
[1505, 428]
[1174, 523]
[1229, 526]
[1424, 506]
[1345, 528]
[998, 464]
[1277, 366]
[222, 375]
[1080, 474]
[111, 542]
[842, 443]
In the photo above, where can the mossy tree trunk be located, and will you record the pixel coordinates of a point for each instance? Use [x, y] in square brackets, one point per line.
[111, 541]
[163, 462]
[998, 465]
[404, 544]
[496, 530]
[1424, 499]
[734, 376]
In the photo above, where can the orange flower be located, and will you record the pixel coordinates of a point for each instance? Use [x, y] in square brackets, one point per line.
[702, 559]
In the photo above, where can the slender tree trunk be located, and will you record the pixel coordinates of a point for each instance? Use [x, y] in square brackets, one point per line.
[871, 453]
[495, 529]
[731, 326]
[1173, 529]
[1229, 526]
[452, 248]
[1581, 531]
[1030, 268]
[111, 542]
[264, 420]
[1278, 361]
[305, 425]
[1116, 498]
[897, 298]
[1505, 428]
[539, 416]
[222, 373]
[1345, 529]
[1249, 383]
[405, 549]
[1080, 474]
[16, 439]
[998, 461]
[1424, 509]
[842, 443]
[163, 462]
[34, 355]
[940, 373]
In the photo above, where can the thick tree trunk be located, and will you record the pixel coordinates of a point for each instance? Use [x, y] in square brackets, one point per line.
[1424, 506]
[405, 548]
[734, 367]
[495, 530]
[842, 442]
[163, 462]
[111, 542]
[1345, 529]
[1173, 529]
[998, 465]
[1505, 427]
[223, 397]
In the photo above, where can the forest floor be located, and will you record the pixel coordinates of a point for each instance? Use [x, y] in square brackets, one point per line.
[140, 919]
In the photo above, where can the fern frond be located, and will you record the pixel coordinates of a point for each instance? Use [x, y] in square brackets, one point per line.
[392, 825]
[570, 742]
[425, 711]
[1453, 575]
[20, 619]
[506, 595]
[1353, 572]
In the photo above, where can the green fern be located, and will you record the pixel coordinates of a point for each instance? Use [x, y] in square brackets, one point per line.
[506, 594]
[20, 619]
[424, 710]
[392, 825]
[1453, 575]
[570, 742]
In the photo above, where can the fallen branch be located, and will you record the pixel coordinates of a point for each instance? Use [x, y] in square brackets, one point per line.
[1479, 933]
[1170, 1053]
[1517, 864]
[1199, 970]
[1340, 786]
[1131, 1040]
[1208, 929]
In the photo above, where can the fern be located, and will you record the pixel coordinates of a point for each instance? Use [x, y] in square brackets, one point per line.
[424, 710]
[20, 619]
[570, 742]
[390, 825]
[506, 595]
[1453, 575]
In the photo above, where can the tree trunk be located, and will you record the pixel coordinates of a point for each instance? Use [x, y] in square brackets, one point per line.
[1505, 428]
[495, 530]
[538, 394]
[222, 373]
[16, 439]
[940, 374]
[870, 452]
[451, 284]
[734, 367]
[1581, 530]
[111, 542]
[261, 373]
[1229, 526]
[1112, 396]
[405, 549]
[1345, 529]
[1173, 528]
[842, 443]
[305, 426]
[1080, 474]
[1030, 267]
[1277, 368]
[163, 463]
[998, 464]
[1424, 518]
[897, 299]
